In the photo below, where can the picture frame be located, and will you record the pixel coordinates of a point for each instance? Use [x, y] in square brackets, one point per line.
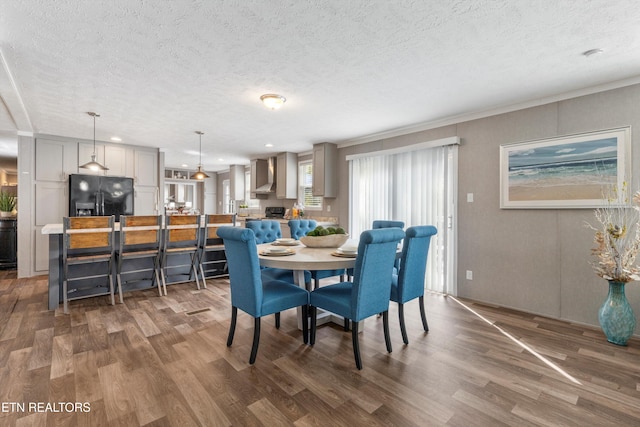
[565, 172]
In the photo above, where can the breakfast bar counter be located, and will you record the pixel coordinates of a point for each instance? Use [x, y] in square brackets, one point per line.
[56, 263]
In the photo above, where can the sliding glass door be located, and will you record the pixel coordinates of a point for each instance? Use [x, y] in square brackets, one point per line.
[417, 187]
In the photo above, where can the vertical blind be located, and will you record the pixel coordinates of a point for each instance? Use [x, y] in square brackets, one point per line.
[410, 187]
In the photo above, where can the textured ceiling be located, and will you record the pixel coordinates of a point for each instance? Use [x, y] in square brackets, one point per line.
[157, 71]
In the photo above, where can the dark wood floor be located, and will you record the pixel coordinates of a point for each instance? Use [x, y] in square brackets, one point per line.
[163, 361]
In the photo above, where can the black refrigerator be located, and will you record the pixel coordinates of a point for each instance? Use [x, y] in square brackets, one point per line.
[92, 195]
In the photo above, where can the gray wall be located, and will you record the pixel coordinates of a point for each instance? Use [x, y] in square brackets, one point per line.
[532, 260]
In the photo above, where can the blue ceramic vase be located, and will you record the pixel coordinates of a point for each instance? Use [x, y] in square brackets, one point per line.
[616, 315]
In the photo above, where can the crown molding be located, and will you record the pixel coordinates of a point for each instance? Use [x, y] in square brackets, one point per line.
[406, 130]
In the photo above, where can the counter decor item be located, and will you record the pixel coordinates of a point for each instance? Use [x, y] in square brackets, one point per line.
[321, 237]
[7, 204]
[617, 239]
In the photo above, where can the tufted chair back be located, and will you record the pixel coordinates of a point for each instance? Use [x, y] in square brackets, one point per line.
[385, 223]
[266, 231]
[300, 227]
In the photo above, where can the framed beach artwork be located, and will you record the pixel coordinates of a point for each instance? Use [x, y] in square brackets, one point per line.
[574, 171]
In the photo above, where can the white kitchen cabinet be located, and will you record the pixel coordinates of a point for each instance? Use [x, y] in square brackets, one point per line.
[210, 194]
[325, 156]
[51, 202]
[145, 200]
[113, 157]
[146, 168]
[55, 160]
[236, 182]
[41, 258]
[287, 176]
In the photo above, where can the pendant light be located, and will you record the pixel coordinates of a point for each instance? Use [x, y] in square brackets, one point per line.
[200, 173]
[93, 164]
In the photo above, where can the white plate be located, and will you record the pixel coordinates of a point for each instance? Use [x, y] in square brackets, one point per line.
[285, 240]
[347, 251]
[276, 250]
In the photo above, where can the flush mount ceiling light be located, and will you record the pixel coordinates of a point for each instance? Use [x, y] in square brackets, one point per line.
[200, 173]
[273, 101]
[93, 165]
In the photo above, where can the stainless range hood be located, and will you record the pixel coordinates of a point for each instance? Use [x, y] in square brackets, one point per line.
[263, 173]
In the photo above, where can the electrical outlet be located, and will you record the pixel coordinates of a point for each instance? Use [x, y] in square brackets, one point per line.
[469, 275]
[469, 197]
[328, 208]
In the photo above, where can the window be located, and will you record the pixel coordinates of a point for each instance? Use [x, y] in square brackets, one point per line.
[252, 203]
[305, 187]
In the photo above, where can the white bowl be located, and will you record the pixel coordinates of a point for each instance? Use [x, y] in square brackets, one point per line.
[276, 250]
[330, 241]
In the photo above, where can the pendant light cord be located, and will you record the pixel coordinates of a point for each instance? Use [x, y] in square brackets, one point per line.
[94, 134]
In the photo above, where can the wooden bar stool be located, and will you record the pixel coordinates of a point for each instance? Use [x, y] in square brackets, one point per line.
[211, 244]
[88, 241]
[140, 239]
[181, 239]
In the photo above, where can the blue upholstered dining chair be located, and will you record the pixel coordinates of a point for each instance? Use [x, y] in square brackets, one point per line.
[249, 292]
[300, 228]
[376, 224]
[368, 293]
[408, 284]
[267, 231]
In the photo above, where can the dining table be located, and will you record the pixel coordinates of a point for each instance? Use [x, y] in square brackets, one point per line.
[298, 258]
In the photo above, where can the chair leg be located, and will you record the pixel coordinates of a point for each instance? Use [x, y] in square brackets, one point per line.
[403, 329]
[422, 314]
[111, 290]
[195, 275]
[316, 284]
[232, 326]
[305, 324]
[204, 282]
[163, 275]
[278, 320]
[119, 281]
[346, 324]
[312, 333]
[159, 284]
[387, 337]
[342, 278]
[356, 345]
[256, 340]
[64, 297]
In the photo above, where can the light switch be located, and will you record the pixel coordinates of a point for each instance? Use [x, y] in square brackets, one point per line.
[469, 197]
